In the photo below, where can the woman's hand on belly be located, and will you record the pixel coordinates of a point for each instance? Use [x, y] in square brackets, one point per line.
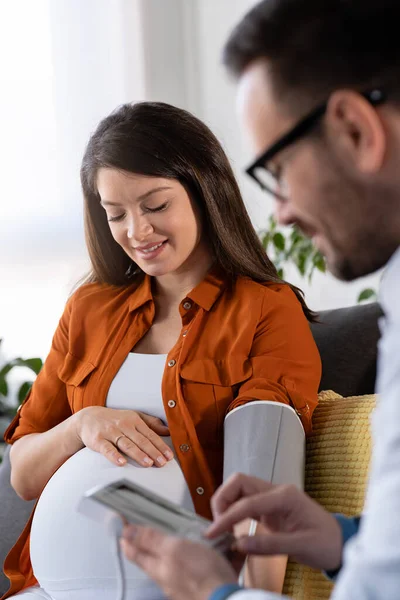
[113, 433]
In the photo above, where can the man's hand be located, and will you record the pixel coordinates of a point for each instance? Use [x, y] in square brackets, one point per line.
[181, 568]
[298, 526]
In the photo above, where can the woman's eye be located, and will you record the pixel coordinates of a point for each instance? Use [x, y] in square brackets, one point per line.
[158, 208]
[114, 219]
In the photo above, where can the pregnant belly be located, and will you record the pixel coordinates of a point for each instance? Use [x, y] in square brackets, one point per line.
[69, 551]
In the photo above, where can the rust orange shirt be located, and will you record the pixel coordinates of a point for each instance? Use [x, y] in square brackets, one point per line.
[250, 342]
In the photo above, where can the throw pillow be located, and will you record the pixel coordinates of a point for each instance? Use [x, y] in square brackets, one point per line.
[337, 465]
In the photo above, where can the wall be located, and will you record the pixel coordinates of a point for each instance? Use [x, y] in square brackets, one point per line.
[64, 66]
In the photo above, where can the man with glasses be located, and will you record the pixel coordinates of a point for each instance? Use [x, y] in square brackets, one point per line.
[319, 95]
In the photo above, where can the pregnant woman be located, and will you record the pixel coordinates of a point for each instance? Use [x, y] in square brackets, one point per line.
[182, 319]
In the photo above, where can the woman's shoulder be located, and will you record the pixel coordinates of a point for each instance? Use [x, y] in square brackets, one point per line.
[270, 300]
[90, 296]
[269, 292]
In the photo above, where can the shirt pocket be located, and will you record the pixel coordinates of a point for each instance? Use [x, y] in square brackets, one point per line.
[75, 373]
[209, 386]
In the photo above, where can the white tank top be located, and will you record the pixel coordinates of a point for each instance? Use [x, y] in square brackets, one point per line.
[71, 555]
[137, 385]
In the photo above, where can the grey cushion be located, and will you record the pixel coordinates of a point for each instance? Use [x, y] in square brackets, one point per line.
[14, 514]
[347, 340]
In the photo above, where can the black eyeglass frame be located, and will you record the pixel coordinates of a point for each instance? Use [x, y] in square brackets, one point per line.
[304, 126]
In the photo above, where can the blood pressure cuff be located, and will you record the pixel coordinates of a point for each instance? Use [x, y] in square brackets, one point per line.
[266, 440]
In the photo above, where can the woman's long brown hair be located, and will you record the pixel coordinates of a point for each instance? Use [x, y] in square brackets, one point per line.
[160, 140]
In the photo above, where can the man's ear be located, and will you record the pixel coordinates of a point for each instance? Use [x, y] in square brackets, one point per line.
[355, 131]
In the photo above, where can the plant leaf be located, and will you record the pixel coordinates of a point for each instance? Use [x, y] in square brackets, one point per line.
[35, 364]
[295, 234]
[279, 241]
[272, 223]
[367, 294]
[6, 369]
[265, 240]
[301, 263]
[319, 262]
[23, 391]
[3, 387]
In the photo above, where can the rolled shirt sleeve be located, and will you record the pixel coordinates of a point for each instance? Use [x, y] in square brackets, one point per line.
[285, 362]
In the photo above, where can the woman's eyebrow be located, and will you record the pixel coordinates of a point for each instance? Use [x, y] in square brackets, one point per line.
[153, 191]
[139, 198]
[107, 203]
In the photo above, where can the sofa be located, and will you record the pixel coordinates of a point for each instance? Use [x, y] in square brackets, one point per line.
[347, 340]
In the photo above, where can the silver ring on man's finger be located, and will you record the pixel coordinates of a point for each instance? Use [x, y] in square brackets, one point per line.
[117, 440]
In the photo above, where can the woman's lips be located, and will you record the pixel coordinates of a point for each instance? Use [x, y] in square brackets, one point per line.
[151, 250]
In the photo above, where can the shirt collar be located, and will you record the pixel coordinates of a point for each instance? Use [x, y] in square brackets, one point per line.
[389, 292]
[204, 294]
[207, 292]
[141, 294]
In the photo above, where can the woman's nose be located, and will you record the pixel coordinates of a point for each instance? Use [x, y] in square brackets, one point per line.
[139, 228]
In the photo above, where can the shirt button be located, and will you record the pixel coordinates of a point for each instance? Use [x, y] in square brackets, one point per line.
[171, 403]
[184, 448]
[187, 305]
[200, 491]
[172, 363]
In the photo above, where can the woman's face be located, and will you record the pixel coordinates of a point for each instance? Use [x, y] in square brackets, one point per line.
[153, 220]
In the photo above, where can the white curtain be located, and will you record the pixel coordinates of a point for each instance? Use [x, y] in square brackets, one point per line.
[64, 64]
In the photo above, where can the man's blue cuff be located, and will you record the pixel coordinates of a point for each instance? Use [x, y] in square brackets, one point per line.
[225, 591]
[349, 527]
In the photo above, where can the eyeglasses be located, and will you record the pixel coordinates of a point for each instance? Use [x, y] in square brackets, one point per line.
[259, 171]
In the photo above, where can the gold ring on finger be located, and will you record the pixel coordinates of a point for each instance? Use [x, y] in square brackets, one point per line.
[117, 440]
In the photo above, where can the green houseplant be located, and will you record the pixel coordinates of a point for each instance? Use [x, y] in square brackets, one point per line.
[7, 408]
[293, 247]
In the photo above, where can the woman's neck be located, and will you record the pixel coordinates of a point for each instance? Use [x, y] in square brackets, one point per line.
[174, 287]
